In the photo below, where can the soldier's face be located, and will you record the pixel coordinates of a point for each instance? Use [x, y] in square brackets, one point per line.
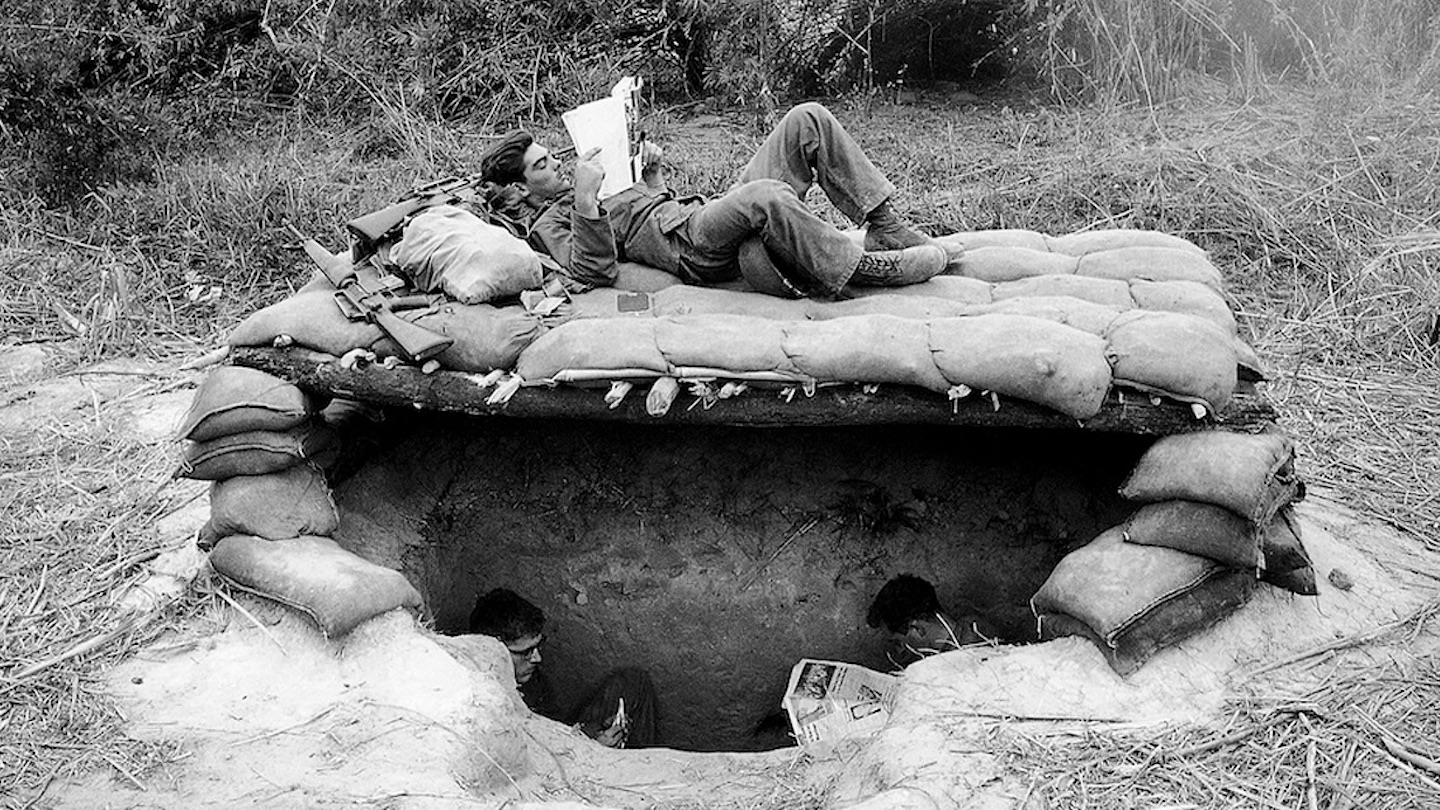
[525, 657]
[543, 177]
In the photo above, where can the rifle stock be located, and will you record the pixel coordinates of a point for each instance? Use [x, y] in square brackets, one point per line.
[416, 342]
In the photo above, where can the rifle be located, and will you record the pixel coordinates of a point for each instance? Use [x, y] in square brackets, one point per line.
[373, 229]
[363, 293]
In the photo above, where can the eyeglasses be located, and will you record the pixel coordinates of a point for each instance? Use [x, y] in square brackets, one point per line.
[528, 650]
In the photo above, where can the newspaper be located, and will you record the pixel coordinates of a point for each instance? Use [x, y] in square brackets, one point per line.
[605, 124]
[828, 700]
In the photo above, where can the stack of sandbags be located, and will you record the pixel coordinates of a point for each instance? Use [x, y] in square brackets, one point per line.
[1215, 489]
[1155, 299]
[1214, 514]
[246, 424]
[260, 442]
[1029, 358]
[1040, 360]
[1133, 314]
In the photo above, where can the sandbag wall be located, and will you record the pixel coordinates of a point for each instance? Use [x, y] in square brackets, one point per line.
[1215, 518]
[1053, 320]
[263, 444]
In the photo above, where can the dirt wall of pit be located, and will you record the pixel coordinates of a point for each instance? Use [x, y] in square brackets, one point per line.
[717, 557]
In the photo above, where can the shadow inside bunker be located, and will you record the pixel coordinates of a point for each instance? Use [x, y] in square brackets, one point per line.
[717, 557]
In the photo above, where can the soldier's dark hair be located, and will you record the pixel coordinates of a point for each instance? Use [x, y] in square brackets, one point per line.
[506, 615]
[904, 599]
[505, 161]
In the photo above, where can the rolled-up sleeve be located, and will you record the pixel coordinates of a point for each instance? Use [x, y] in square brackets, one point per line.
[583, 246]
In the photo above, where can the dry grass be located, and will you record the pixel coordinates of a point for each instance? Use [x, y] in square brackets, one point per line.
[759, 786]
[80, 497]
[1364, 736]
[1145, 50]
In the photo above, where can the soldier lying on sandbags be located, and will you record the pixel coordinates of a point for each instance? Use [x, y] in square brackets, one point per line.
[760, 228]
[618, 713]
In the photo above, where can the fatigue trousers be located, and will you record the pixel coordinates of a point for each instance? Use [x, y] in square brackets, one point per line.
[808, 147]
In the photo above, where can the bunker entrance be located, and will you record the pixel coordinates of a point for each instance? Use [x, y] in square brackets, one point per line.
[715, 558]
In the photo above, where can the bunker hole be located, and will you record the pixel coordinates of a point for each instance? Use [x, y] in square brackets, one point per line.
[715, 558]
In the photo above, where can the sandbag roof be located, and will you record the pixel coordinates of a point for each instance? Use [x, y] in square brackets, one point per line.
[1113, 330]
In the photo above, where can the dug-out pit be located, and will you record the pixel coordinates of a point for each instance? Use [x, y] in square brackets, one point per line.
[716, 557]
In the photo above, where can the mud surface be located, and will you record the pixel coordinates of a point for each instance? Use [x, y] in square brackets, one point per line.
[717, 558]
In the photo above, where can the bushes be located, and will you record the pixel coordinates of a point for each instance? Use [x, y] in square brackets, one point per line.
[99, 83]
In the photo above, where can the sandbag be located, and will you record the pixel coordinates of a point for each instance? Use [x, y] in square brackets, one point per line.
[312, 319]
[996, 237]
[914, 307]
[1299, 581]
[1086, 242]
[448, 248]
[275, 506]
[1252, 475]
[317, 281]
[314, 575]
[1287, 563]
[1135, 600]
[869, 349]
[1107, 291]
[951, 288]
[996, 264]
[1188, 297]
[635, 277]
[1179, 356]
[689, 300]
[607, 302]
[1247, 363]
[730, 342]
[486, 337]
[1033, 359]
[256, 452]
[597, 343]
[237, 399]
[1151, 264]
[1202, 529]
[1084, 315]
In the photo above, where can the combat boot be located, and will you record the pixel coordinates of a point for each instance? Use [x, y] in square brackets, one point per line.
[896, 268]
[885, 231]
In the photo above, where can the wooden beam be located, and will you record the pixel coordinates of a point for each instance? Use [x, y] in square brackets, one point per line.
[841, 405]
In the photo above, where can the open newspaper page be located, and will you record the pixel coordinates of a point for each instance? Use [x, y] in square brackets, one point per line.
[828, 700]
[605, 124]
